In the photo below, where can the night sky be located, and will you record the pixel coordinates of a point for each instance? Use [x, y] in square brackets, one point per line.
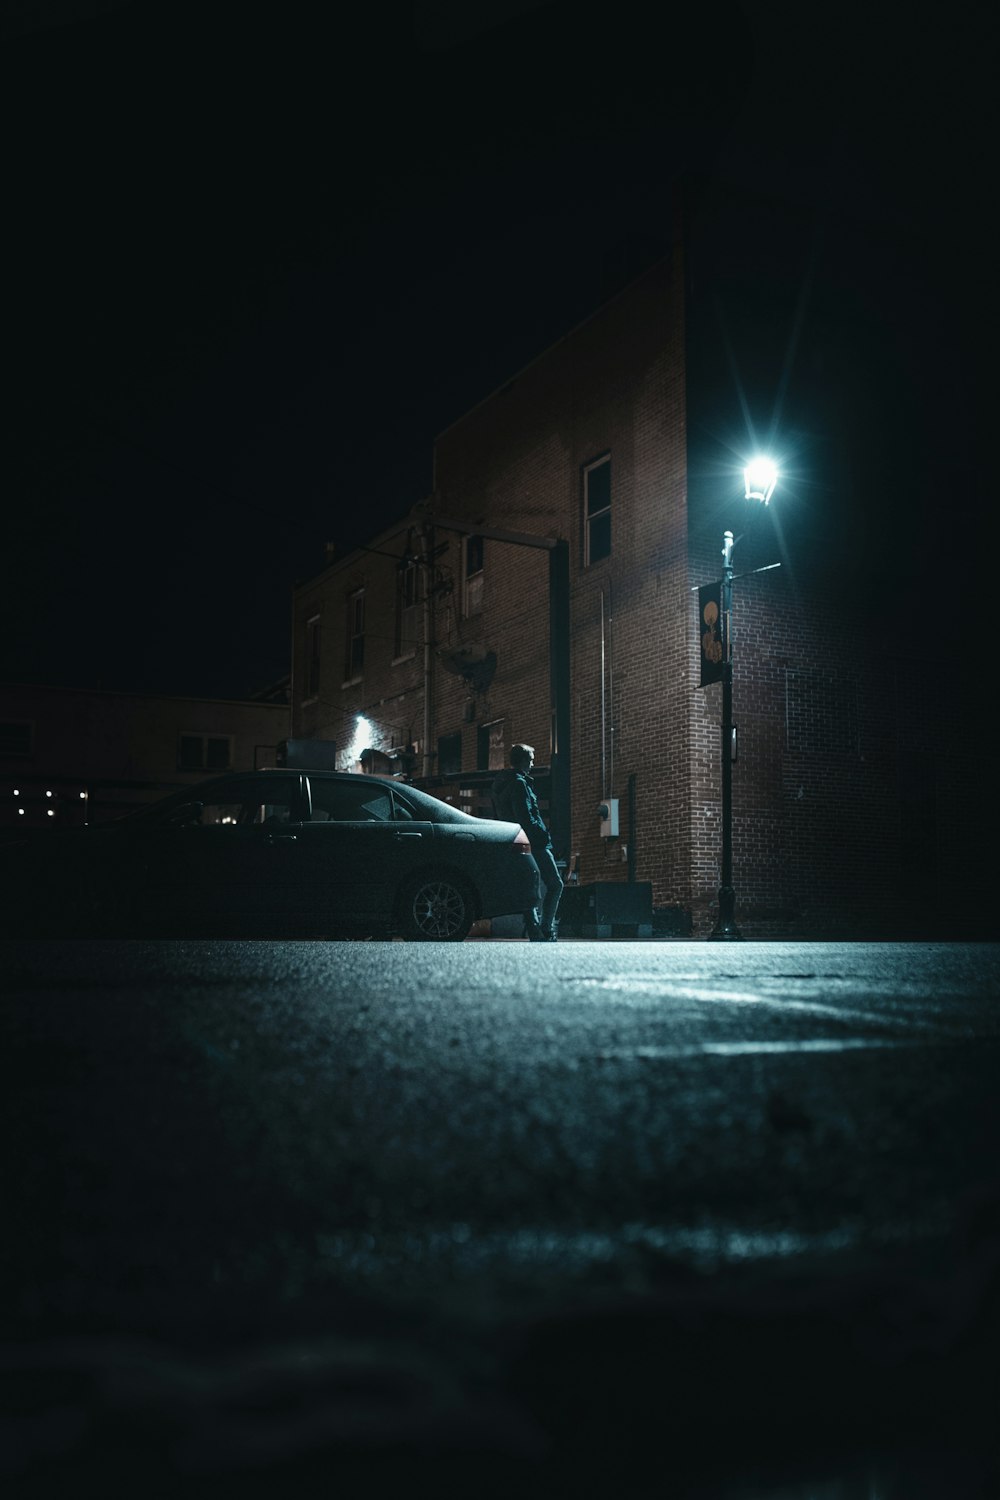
[257, 257]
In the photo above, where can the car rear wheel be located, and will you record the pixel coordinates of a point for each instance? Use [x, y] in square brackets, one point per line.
[436, 907]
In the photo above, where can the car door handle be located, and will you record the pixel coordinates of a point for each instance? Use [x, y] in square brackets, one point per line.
[410, 834]
[280, 838]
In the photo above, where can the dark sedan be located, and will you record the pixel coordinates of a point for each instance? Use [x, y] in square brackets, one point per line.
[274, 853]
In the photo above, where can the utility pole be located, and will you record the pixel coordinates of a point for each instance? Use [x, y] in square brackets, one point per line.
[427, 558]
[725, 926]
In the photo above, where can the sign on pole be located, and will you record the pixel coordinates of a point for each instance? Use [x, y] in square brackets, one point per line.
[710, 629]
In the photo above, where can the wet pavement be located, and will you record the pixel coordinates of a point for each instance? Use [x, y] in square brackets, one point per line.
[491, 1218]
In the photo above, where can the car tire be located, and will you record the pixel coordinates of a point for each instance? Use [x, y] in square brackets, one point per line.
[435, 908]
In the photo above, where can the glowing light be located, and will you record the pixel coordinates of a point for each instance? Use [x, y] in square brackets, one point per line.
[48, 794]
[17, 791]
[51, 812]
[20, 812]
[760, 476]
[362, 738]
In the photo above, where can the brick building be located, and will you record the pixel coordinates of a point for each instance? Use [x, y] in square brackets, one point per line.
[80, 755]
[432, 645]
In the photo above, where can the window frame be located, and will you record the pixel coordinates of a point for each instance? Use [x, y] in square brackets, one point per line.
[405, 639]
[454, 741]
[204, 736]
[313, 656]
[354, 644]
[491, 738]
[589, 517]
[472, 581]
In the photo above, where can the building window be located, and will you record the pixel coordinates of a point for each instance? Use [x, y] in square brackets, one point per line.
[354, 661]
[450, 754]
[597, 510]
[407, 601]
[15, 737]
[490, 747]
[312, 656]
[472, 575]
[204, 752]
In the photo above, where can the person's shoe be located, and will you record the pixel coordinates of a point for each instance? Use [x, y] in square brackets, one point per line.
[539, 934]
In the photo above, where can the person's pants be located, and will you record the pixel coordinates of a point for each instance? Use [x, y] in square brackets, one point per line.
[553, 883]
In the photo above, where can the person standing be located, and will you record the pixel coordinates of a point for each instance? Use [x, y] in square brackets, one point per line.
[514, 800]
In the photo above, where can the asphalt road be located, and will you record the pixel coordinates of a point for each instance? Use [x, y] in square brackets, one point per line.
[497, 1217]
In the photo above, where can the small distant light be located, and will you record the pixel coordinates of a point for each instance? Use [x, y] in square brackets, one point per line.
[17, 791]
[83, 795]
[760, 477]
[20, 812]
[51, 812]
[48, 794]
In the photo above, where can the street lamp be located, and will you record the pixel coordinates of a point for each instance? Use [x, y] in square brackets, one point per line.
[760, 477]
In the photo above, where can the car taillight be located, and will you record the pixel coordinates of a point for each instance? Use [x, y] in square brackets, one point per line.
[522, 843]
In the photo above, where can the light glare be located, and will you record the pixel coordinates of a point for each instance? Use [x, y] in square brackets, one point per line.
[760, 476]
[362, 738]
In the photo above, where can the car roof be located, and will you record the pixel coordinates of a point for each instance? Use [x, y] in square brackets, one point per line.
[444, 811]
[436, 808]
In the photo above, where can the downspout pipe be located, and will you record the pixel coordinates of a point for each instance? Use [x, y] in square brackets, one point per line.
[611, 693]
[604, 716]
[559, 667]
[427, 553]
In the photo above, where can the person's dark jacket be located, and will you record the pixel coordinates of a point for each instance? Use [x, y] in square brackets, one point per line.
[514, 800]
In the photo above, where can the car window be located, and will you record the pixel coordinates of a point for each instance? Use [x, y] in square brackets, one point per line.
[403, 813]
[263, 801]
[427, 809]
[228, 803]
[266, 812]
[350, 802]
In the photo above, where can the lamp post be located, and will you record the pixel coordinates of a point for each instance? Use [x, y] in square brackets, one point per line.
[759, 479]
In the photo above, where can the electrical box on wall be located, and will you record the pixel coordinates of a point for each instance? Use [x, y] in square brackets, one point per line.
[608, 813]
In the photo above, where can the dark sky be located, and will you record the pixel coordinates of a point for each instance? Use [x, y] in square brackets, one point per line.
[258, 256]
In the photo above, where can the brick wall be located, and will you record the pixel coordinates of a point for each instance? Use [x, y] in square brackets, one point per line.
[389, 690]
[616, 386]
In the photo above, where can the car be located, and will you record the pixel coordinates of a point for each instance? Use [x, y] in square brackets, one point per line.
[275, 852]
